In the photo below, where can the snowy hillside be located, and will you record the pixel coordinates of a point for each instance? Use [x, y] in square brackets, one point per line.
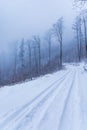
[55, 101]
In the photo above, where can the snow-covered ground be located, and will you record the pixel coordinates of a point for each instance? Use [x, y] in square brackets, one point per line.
[55, 101]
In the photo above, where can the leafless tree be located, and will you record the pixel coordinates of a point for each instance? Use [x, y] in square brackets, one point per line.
[37, 42]
[83, 15]
[77, 28]
[36, 61]
[30, 60]
[48, 38]
[85, 33]
[21, 55]
[58, 32]
[15, 61]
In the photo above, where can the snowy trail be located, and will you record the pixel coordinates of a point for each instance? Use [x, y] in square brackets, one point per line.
[44, 103]
[11, 117]
[59, 106]
[16, 116]
[72, 115]
[13, 113]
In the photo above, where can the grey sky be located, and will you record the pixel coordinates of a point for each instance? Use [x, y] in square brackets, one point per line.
[24, 18]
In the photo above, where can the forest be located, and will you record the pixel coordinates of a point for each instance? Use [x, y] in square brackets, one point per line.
[38, 55]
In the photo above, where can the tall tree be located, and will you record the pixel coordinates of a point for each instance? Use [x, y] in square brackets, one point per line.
[35, 59]
[58, 32]
[77, 28]
[48, 38]
[85, 32]
[84, 18]
[15, 62]
[30, 60]
[21, 55]
[37, 42]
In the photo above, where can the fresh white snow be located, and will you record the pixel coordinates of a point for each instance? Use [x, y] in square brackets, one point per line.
[56, 101]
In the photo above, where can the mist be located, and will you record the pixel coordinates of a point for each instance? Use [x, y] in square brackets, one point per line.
[28, 44]
[22, 19]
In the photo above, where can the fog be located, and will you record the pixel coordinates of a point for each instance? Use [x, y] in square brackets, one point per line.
[24, 18]
[23, 56]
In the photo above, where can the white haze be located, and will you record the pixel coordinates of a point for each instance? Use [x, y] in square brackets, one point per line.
[24, 18]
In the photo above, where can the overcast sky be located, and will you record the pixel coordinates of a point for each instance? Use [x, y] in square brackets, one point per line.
[24, 18]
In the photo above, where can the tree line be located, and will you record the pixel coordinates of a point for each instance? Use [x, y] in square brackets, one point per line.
[37, 56]
[80, 29]
[31, 58]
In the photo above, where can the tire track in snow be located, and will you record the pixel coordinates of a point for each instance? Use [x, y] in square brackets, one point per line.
[50, 120]
[66, 103]
[71, 116]
[30, 116]
[21, 111]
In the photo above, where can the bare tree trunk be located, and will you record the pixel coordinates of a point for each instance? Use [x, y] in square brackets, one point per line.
[85, 32]
[39, 49]
[77, 28]
[61, 54]
[78, 45]
[48, 38]
[35, 58]
[58, 31]
[49, 53]
[30, 64]
[22, 53]
[15, 64]
[36, 40]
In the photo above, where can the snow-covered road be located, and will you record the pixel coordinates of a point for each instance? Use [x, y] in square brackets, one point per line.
[52, 102]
